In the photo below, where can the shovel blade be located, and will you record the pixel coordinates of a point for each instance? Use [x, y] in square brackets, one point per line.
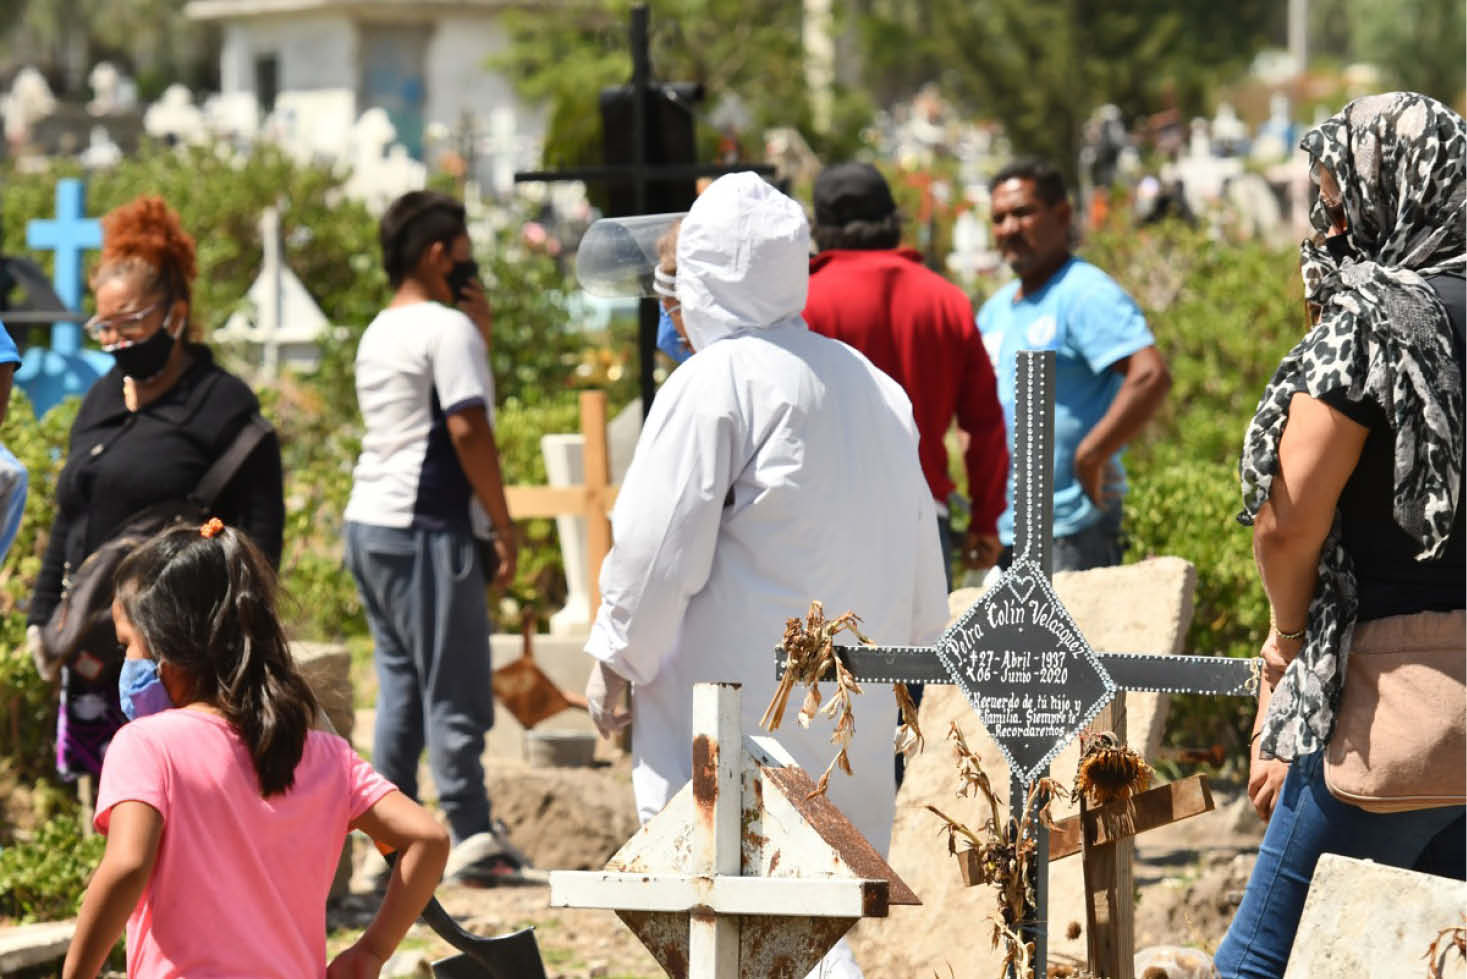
[512, 956]
[460, 967]
[527, 693]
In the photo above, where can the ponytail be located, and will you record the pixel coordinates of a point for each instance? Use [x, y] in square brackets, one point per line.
[205, 603]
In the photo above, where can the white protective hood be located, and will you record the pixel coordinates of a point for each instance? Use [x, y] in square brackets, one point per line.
[743, 260]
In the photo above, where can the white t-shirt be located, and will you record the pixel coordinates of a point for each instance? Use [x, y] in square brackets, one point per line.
[416, 365]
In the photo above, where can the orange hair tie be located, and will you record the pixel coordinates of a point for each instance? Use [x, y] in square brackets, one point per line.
[211, 527]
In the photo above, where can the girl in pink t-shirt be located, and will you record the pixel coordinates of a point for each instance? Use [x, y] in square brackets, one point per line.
[225, 816]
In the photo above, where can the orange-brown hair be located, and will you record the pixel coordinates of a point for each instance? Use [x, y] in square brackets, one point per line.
[144, 239]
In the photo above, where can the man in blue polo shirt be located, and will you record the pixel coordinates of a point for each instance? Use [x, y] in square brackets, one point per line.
[1110, 378]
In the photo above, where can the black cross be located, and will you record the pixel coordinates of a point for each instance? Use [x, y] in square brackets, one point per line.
[640, 175]
[1018, 656]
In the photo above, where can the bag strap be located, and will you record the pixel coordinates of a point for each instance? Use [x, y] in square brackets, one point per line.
[227, 465]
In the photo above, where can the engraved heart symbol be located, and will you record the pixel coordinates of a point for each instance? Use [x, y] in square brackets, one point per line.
[1022, 585]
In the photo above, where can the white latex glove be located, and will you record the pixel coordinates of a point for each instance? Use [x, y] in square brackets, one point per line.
[604, 702]
[44, 666]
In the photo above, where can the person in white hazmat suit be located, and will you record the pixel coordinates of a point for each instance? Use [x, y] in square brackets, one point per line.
[775, 467]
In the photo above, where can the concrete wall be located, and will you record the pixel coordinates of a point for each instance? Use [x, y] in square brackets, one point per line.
[459, 80]
[317, 51]
[320, 52]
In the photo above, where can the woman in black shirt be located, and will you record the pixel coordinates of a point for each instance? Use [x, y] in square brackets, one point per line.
[146, 432]
[1352, 479]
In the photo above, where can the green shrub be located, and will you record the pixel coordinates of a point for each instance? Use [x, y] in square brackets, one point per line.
[28, 703]
[43, 878]
[1223, 315]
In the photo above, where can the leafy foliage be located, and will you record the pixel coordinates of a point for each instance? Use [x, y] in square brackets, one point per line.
[27, 703]
[1041, 66]
[43, 878]
[751, 50]
[1223, 316]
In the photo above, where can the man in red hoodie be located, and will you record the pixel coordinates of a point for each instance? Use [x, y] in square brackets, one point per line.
[918, 328]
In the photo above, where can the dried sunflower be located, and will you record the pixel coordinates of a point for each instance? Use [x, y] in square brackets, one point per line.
[1108, 770]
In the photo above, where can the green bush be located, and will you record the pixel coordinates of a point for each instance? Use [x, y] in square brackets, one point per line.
[43, 878]
[28, 703]
[1223, 315]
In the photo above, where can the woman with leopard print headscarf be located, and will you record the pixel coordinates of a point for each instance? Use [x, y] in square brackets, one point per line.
[1352, 481]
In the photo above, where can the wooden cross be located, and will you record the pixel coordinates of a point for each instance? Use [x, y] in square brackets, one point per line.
[1028, 671]
[746, 873]
[592, 500]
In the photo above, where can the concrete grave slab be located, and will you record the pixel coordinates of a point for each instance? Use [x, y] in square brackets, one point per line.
[27, 946]
[1365, 919]
[327, 668]
[951, 927]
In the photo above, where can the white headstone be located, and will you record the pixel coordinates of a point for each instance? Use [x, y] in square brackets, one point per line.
[1228, 131]
[381, 169]
[233, 116]
[112, 91]
[283, 323]
[29, 101]
[314, 124]
[175, 117]
[1275, 136]
[101, 152]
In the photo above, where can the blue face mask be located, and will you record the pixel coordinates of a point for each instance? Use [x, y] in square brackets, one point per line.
[140, 690]
[669, 341]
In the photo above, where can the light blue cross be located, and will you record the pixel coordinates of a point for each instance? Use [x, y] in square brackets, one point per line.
[50, 374]
[69, 234]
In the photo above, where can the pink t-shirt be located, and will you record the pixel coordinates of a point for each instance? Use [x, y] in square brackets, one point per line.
[239, 887]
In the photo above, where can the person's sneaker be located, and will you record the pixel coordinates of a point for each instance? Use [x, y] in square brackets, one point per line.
[482, 860]
[489, 859]
[501, 833]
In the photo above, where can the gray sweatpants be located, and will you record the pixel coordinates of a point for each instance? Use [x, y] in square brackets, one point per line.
[423, 592]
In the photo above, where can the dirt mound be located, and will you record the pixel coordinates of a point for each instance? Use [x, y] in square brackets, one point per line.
[564, 818]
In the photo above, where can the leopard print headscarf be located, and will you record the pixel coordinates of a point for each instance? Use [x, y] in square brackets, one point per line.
[1384, 334]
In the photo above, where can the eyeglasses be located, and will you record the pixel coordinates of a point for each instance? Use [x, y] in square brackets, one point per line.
[129, 326]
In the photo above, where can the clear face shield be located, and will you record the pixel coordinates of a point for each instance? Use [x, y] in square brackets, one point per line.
[618, 257]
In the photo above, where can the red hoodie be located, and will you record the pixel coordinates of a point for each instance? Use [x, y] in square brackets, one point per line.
[919, 328]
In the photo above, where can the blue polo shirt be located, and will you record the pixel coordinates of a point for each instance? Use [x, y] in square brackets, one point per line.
[1090, 323]
[9, 352]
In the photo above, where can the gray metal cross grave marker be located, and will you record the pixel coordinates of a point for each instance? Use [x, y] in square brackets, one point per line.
[1019, 658]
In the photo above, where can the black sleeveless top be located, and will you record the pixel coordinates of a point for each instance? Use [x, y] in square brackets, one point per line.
[1390, 579]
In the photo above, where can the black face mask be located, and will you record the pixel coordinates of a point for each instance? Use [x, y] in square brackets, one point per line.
[1338, 246]
[460, 275]
[146, 360]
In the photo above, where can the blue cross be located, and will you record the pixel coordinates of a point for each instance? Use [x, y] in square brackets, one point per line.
[69, 234]
[47, 375]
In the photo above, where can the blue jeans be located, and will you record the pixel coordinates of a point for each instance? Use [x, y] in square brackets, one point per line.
[1100, 545]
[423, 592]
[1307, 822]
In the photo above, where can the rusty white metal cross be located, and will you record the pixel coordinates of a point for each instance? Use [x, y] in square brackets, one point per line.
[743, 875]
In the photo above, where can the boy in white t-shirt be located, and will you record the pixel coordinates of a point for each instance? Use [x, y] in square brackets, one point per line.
[428, 453]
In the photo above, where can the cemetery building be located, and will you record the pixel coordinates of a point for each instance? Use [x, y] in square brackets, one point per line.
[315, 66]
